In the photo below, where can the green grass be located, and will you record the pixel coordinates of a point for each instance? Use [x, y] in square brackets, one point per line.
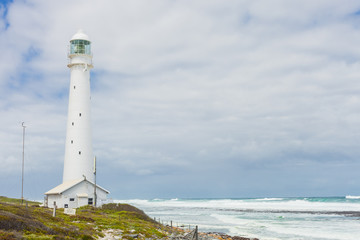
[34, 222]
[17, 201]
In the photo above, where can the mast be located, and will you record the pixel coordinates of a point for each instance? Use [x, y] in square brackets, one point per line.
[23, 163]
[95, 182]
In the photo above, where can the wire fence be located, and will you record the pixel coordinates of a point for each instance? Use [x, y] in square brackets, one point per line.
[192, 232]
[193, 235]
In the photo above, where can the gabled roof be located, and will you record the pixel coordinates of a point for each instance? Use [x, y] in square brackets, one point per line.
[69, 184]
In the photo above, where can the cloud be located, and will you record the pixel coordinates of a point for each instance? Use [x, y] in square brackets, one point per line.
[205, 93]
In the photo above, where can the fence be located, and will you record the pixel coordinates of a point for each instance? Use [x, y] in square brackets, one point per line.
[193, 233]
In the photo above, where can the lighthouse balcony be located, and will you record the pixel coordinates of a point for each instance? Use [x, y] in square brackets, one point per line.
[80, 60]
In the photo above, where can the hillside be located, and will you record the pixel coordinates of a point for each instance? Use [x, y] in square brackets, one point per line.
[34, 222]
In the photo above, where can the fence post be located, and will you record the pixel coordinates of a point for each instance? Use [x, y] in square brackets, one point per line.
[196, 233]
[54, 212]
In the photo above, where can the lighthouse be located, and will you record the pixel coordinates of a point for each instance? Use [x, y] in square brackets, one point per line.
[79, 156]
[79, 184]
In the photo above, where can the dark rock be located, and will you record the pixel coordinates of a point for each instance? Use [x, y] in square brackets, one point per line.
[240, 238]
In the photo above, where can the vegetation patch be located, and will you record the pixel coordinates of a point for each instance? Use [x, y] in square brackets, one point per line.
[15, 200]
[34, 222]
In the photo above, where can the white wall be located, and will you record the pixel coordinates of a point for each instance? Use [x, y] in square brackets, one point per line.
[82, 188]
[79, 158]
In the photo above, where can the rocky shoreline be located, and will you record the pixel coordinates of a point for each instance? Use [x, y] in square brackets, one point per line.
[221, 236]
[172, 234]
[178, 234]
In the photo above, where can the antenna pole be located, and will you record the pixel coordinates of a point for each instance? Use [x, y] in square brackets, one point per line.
[22, 172]
[95, 182]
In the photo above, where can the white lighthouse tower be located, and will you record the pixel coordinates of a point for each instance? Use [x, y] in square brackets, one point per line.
[79, 156]
[78, 187]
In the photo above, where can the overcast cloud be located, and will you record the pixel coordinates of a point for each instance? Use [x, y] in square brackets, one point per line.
[206, 98]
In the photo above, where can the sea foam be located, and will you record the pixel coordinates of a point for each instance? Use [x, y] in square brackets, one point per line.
[263, 218]
[352, 197]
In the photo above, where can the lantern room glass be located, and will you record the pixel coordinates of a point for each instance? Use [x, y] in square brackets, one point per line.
[80, 47]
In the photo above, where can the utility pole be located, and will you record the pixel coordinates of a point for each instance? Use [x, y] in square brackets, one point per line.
[95, 182]
[22, 172]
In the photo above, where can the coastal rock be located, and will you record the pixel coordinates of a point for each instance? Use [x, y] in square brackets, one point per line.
[223, 236]
[243, 238]
[131, 236]
[111, 234]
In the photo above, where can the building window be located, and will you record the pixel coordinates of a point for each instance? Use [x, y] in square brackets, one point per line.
[74, 87]
[72, 123]
[79, 114]
[72, 199]
[79, 152]
[72, 141]
[66, 206]
[90, 201]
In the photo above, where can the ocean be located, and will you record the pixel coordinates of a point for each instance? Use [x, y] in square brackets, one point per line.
[315, 218]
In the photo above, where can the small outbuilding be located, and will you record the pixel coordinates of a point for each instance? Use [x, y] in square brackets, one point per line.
[75, 193]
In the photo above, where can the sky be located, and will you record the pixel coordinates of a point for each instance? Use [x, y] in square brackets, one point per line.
[190, 99]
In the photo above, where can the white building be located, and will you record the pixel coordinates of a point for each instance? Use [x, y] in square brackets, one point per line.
[78, 187]
[76, 193]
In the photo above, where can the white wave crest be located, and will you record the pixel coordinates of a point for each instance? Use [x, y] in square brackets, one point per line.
[265, 204]
[269, 199]
[352, 197]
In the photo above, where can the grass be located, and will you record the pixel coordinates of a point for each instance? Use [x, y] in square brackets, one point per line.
[34, 222]
[18, 201]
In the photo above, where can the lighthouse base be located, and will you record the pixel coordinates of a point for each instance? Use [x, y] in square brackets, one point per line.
[76, 193]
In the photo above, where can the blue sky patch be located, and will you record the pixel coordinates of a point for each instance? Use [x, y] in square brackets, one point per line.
[4, 4]
[31, 54]
[357, 13]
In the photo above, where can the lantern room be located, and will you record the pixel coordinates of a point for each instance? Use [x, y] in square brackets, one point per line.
[80, 44]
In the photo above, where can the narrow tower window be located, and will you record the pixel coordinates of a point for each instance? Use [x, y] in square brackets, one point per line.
[72, 123]
[79, 114]
[74, 87]
[79, 152]
[72, 141]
